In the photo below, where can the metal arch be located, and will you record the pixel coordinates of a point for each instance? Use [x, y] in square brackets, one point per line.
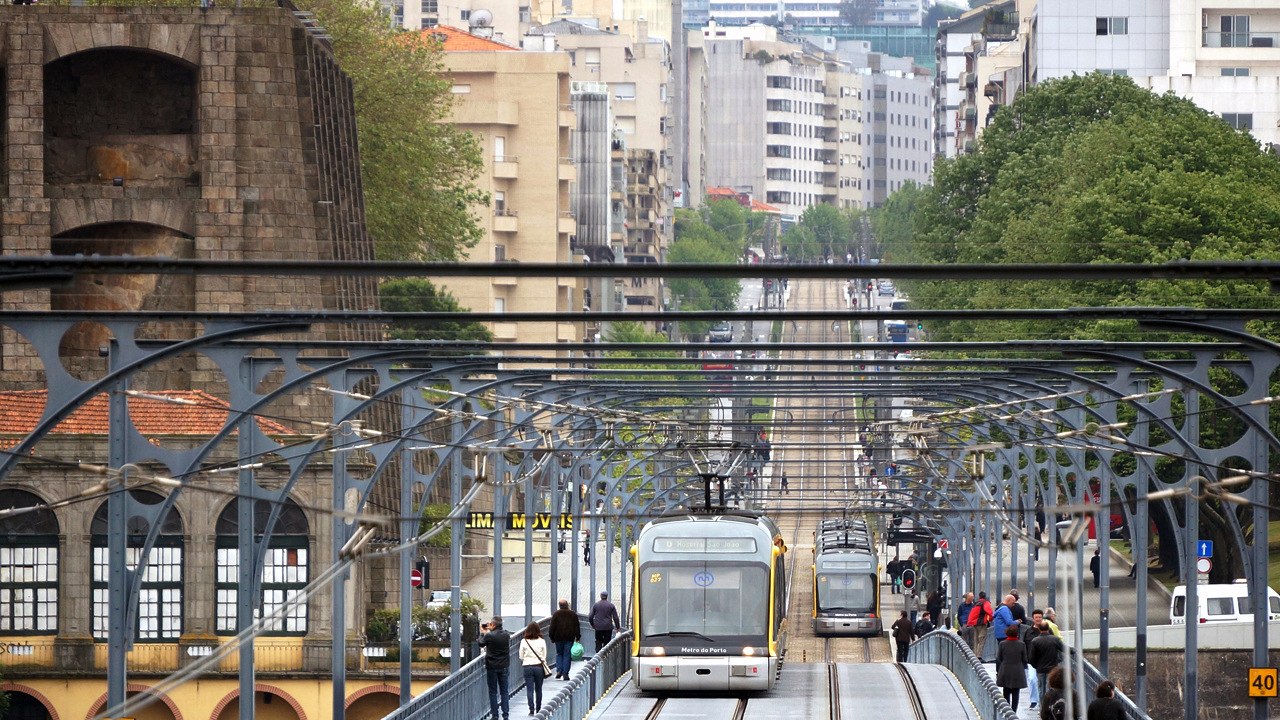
[66, 402]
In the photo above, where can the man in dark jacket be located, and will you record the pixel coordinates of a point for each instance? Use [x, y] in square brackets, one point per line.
[496, 644]
[1045, 654]
[1106, 706]
[903, 634]
[1095, 567]
[565, 630]
[604, 620]
[894, 569]
[924, 625]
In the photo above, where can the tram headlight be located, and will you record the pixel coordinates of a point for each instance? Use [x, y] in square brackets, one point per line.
[748, 651]
[653, 652]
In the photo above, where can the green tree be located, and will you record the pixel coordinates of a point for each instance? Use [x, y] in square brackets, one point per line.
[418, 170]
[415, 295]
[830, 228]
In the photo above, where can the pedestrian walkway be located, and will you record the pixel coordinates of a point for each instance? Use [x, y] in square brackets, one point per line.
[581, 596]
[1025, 710]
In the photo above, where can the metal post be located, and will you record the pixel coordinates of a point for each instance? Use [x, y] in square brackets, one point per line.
[408, 529]
[1104, 568]
[341, 531]
[1140, 557]
[1000, 587]
[248, 575]
[575, 505]
[1190, 697]
[119, 634]
[528, 544]
[1258, 560]
[457, 533]
[1077, 623]
[553, 536]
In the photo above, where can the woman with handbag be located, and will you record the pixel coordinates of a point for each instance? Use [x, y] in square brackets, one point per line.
[533, 660]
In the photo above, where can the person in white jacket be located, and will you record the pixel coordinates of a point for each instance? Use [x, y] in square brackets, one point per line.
[533, 659]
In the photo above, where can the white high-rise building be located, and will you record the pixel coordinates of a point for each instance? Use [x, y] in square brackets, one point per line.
[1223, 55]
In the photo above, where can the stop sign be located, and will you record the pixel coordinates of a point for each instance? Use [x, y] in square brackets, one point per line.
[415, 578]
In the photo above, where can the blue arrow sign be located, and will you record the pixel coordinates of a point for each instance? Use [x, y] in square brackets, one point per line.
[1204, 548]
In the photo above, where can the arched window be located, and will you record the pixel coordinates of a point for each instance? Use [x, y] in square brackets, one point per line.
[160, 597]
[285, 571]
[28, 566]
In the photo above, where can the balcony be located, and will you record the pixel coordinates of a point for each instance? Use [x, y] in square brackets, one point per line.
[504, 221]
[565, 170]
[566, 224]
[566, 116]
[1215, 39]
[506, 167]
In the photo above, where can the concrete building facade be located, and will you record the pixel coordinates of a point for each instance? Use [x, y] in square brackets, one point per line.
[798, 126]
[517, 103]
[1223, 55]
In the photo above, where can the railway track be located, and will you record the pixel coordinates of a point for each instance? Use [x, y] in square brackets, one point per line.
[655, 712]
[913, 695]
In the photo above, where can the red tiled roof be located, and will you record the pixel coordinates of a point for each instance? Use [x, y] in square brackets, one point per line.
[758, 206]
[20, 411]
[722, 192]
[455, 40]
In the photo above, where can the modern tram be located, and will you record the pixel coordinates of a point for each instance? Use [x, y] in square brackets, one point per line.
[710, 603]
[846, 580]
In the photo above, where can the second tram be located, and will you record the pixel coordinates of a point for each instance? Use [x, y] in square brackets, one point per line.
[846, 581]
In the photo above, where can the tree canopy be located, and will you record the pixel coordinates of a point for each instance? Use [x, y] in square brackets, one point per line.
[1090, 169]
[418, 170]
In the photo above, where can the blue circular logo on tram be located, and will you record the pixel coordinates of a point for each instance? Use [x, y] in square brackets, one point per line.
[703, 579]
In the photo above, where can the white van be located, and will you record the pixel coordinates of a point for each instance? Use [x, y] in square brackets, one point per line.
[1221, 603]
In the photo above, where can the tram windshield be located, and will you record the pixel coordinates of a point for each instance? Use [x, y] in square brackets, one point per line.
[712, 599]
[846, 591]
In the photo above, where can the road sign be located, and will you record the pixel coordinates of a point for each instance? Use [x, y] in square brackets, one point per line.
[415, 578]
[943, 544]
[1204, 565]
[1204, 548]
[1263, 682]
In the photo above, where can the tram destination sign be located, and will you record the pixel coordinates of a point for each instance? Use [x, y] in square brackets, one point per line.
[704, 545]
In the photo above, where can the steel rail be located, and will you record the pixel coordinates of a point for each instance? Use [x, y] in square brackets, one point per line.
[1263, 270]
[913, 694]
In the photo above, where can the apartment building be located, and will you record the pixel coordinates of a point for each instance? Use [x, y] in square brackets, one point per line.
[634, 69]
[805, 12]
[1223, 55]
[798, 125]
[517, 103]
[501, 20]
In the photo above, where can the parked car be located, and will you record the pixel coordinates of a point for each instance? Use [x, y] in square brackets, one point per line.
[444, 597]
[1222, 602]
[721, 332]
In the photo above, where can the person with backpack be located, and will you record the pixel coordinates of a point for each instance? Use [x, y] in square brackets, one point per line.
[980, 620]
[895, 573]
[1053, 706]
[1106, 706]
[924, 625]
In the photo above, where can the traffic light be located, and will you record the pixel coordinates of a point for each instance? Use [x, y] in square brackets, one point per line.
[908, 579]
[919, 326]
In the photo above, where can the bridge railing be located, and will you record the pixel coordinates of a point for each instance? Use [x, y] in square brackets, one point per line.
[465, 694]
[948, 650]
[1093, 676]
[589, 684]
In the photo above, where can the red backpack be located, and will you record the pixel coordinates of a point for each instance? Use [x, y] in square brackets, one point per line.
[980, 614]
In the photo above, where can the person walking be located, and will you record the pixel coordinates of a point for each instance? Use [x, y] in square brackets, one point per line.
[1095, 567]
[924, 625]
[980, 620]
[533, 661]
[1105, 706]
[895, 573]
[586, 547]
[1003, 618]
[604, 620]
[911, 603]
[1019, 612]
[565, 630]
[1011, 666]
[933, 603]
[786, 485]
[962, 619]
[1051, 617]
[496, 644]
[903, 634]
[1045, 654]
